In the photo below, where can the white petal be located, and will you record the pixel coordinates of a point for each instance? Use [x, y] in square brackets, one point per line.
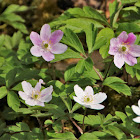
[76, 99]
[23, 95]
[139, 103]
[96, 106]
[99, 97]
[119, 60]
[30, 102]
[137, 119]
[136, 109]
[89, 90]
[27, 87]
[46, 94]
[36, 51]
[78, 91]
[38, 85]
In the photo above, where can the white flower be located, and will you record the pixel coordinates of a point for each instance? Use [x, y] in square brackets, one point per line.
[136, 110]
[88, 99]
[33, 96]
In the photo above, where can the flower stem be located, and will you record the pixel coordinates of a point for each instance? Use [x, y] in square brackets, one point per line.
[108, 69]
[84, 119]
[100, 76]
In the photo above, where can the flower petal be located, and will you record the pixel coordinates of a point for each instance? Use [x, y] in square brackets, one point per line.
[33, 102]
[119, 60]
[99, 97]
[89, 90]
[78, 91]
[130, 60]
[114, 43]
[38, 85]
[27, 87]
[137, 119]
[58, 48]
[123, 37]
[76, 99]
[56, 37]
[48, 56]
[46, 94]
[23, 95]
[131, 39]
[35, 38]
[136, 109]
[139, 103]
[45, 32]
[96, 106]
[134, 50]
[36, 51]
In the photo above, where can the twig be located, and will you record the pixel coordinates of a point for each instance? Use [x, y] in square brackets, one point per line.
[100, 76]
[77, 126]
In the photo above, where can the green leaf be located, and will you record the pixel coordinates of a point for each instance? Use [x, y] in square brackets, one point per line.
[91, 33]
[88, 136]
[92, 13]
[128, 1]
[80, 66]
[89, 64]
[113, 8]
[69, 53]
[71, 39]
[120, 135]
[62, 136]
[3, 92]
[118, 85]
[13, 100]
[48, 122]
[103, 41]
[2, 38]
[75, 107]
[128, 27]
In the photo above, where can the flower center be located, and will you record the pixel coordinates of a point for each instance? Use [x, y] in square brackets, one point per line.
[88, 98]
[46, 46]
[123, 48]
[35, 94]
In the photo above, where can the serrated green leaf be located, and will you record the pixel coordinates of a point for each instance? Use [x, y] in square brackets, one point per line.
[89, 136]
[80, 66]
[71, 39]
[3, 92]
[13, 100]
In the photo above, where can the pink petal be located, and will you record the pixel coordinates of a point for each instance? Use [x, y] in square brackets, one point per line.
[123, 37]
[78, 91]
[99, 97]
[27, 87]
[119, 60]
[96, 106]
[114, 43]
[46, 94]
[131, 39]
[134, 50]
[38, 85]
[48, 56]
[56, 37]
[35, 38]
[45, 32]
[58, 48]
[89, 90]
[130, 60]
[36, 51]
[137, 119]
[23, 95]
[136, 109]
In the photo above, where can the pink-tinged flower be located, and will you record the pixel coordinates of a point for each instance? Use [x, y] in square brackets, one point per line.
[88, 99]
[33, 96]
[47, 44]
[124, 50]
[136, 110]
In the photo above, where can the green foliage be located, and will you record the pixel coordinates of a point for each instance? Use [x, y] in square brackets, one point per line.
[118, 85]
[10, 17]
[3, 92]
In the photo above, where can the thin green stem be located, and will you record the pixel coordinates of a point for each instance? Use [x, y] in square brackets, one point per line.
[84, 119]
[98, 73]
[108, 69]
